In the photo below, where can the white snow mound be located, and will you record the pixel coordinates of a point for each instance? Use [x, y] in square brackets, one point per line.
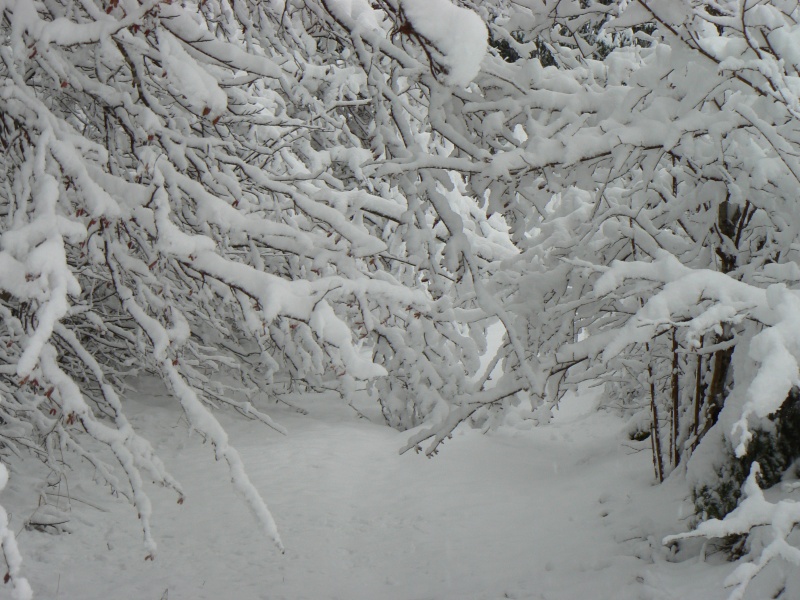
[459, 34]
[359, 11]
[198, 86]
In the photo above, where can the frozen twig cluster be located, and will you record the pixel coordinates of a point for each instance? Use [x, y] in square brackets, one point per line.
[245, 198]
[184, 196]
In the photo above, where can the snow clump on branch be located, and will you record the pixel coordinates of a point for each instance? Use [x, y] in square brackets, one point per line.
[458, 33]
[21, 588]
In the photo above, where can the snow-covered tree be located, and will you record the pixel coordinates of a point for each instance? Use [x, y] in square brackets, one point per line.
[649, 178]
[184, 195]
[248, 197]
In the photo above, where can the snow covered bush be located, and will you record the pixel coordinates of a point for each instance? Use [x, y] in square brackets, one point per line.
[754, 511]
[21, 589]
[184, 196]
[648, 179]
[775, 446]
[245, 198]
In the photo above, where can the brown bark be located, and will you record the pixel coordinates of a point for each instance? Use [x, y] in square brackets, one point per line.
[699, 393]
[675, 455]
[715, 396]
[655, 434]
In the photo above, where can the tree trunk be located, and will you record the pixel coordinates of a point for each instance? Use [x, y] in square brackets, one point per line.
[715, 397]
[699, 394]
[655, 434]
[675, 455]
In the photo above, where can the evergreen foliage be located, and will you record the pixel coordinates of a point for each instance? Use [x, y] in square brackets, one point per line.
[775, 447]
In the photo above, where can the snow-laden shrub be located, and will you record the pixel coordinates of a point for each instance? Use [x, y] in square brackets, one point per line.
[190, 190]
[754, 511]
[334, 194]
[20, 588]
[775, 447]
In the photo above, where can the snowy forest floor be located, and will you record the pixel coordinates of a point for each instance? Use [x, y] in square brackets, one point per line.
[563, 512]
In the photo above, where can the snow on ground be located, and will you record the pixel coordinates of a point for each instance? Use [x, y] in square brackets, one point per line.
[563, 512]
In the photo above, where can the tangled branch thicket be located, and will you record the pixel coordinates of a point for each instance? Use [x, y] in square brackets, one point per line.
[245, 198]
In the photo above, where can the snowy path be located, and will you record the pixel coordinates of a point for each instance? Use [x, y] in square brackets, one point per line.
[555, 513]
